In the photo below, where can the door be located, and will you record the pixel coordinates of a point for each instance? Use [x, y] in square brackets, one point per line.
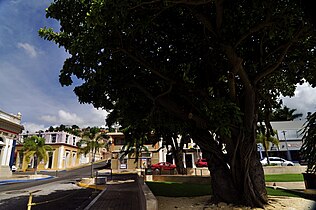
[188, 160]
[50, 159]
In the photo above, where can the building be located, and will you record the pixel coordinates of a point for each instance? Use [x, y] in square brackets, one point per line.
[10, 127]
[65, 152]
[191, 153]
[147, 157]
[289, 134]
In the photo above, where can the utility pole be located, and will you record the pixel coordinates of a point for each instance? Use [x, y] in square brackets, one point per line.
[287, 148]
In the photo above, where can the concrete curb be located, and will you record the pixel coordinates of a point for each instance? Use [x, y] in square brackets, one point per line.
[10, 181]
[151, 200]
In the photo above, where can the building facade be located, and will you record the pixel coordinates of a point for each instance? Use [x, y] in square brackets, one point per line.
[10, 127]
[289, 134]
[191, 153]
[148, 156]
[65, 153]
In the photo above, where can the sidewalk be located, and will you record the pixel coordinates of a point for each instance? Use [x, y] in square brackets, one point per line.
[297, 188]
[120, 195]
[23, 178]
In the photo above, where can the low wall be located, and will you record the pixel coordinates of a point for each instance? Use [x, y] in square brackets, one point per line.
[148, 200]
[284, 169]
[183, 179]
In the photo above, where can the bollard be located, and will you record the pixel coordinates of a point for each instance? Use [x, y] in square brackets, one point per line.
[56, 173]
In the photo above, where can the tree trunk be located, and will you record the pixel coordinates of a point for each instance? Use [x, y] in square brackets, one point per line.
[35, 165]
[237, 176]
[178, 158]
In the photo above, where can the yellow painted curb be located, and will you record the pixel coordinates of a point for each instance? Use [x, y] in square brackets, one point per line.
[98, 187]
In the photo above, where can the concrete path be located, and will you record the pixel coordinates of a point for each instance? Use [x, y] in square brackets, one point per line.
[287, 185]
[120, 195]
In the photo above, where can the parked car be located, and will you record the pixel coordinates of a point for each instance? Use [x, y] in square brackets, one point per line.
[163, 166]
[276, 161]
[13, 168]
[201, 162]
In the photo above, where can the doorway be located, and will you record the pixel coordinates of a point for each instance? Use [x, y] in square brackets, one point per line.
[50, 159]
[188, 160]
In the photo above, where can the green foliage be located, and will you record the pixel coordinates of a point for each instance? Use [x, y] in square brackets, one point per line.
[264, 140]
[280, 192]
[284, 178]
[285, 114]
[174, 189]
[92, 140]
[308, 149]
[34, 147]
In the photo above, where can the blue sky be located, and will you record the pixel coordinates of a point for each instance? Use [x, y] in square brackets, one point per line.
[29, 72]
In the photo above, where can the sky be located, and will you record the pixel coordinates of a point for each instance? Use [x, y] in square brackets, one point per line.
[29, 73]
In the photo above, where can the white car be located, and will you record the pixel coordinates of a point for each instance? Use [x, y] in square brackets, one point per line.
[13, 168]
[277, 161]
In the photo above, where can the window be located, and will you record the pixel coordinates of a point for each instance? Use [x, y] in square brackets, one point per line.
[74, 141]
[67, 137]
[118, 141]
[53, 138]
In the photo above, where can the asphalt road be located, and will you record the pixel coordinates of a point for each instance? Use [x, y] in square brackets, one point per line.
[58, 193]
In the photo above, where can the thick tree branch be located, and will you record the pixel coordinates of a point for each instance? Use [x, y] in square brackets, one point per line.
[204, 20]
[270, 69]
[252, 31]
[219, 14]
[190, 2]
[146, 65]
[236, 63]
[142, 89]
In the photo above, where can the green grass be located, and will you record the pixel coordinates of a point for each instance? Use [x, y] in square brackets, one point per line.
[173, 189]
[284, 178]
[280, 192]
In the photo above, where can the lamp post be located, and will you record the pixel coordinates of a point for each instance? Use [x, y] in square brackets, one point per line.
[287, 148]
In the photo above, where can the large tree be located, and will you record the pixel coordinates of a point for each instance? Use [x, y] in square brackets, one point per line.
[208, 65]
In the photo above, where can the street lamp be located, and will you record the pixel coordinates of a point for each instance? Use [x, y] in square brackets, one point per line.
[287, 148]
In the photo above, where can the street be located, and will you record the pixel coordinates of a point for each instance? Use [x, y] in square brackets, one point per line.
[57, 193]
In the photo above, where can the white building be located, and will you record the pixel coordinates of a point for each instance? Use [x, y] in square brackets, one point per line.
[10, 127]
[65, 152]
[289, 134]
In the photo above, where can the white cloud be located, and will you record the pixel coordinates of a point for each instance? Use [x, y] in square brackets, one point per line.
[32, 127]
[63, 117]
[29, 49]
[69, 118]
[49, 118]
[304, 100]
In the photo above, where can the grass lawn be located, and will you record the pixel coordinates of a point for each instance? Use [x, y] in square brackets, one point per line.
[284, 178]
[173, 189]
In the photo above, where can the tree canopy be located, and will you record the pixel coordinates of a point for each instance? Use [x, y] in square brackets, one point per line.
[285, 114]
[205, 67]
